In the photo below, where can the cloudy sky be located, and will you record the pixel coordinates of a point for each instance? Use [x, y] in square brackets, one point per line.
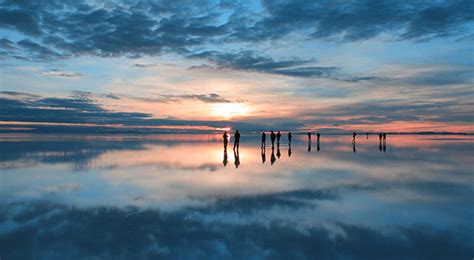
[255, 65]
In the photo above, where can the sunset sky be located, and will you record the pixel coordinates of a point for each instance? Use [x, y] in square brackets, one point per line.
[326, 66]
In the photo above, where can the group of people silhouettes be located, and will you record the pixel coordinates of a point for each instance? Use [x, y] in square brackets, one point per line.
[276, 137]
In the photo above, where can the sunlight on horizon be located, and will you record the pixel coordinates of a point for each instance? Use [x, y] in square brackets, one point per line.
[229, 110]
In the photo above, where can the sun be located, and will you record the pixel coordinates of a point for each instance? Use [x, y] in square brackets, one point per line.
[229, 110]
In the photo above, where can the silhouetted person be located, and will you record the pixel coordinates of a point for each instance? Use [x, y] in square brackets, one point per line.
[278, 138]
[278, 152]
[226, 158]
[384, 142]
[225, 138]
[309, 136]
[309, 145]
[236, 157]
[289, 150]
[318, 147]
[264, 154]
[264, 139]
[354, 147]
[380, 137]
[273, 137]
[236, 139]
[367, 135]
[354, 137]
[272, 157]
[289, 138]
[318, 136]
[380, 145]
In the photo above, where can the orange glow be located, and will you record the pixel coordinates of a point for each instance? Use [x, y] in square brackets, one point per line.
[229, 110]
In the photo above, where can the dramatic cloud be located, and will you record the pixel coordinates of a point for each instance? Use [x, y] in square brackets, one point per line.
[61, 29]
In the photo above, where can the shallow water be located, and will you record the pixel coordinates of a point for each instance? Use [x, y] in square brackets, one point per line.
[132, 196]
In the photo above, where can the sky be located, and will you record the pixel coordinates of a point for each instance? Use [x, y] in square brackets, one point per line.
[328, 66]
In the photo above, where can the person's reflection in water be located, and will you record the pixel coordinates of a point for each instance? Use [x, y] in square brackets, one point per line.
[273, 158]
[309, 143]
[226, 158]
[264, 154]
[289, 150]
[264, 140]
[236, 157]
[225, 138]
[380, 145]
[354, 137]
[278, 138]
[289, 138]
[278, 152]
[354, 150]
[317, 146]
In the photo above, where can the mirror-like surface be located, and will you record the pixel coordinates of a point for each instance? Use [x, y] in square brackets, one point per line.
[184, 196]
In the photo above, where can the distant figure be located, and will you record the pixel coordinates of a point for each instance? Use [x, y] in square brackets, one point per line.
[309, 136]
[278, 138]
[354, 150]
[380, 145]
[264, 139]
[264, 154]
[384, 142]
[225, 138]
[278, 152]
[384, 137]
[236, 157]
[236, 139]
[272, 157]
[354, 137]
[289, 138]
[380, 137]
[289, 151]
[367, 135]
[309, 145]
[273, 137]
[318, 137]
[226, 158]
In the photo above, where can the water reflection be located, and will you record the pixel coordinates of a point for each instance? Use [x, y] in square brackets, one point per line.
[176, 198]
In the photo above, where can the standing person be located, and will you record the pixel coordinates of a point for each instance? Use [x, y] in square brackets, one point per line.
[367, 135]
[289, 138]
[317, 137]
[272, 137]
[236, 139]
[225, 138]
[380, 138]
[278, 138]
[264, 140]
[354, 137]
[384, 137]
[309, 136]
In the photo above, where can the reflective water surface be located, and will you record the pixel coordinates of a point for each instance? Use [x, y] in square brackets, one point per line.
[184, 196]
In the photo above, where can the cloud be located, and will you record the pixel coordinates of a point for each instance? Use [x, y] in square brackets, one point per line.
[180, 235]
[144, 66]
[58, 29]
[250, 61]
[62, 74]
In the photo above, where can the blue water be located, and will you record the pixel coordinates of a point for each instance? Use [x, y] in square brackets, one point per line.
[178, 196]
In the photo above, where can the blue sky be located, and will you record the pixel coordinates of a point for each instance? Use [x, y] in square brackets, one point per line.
[296, 65]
